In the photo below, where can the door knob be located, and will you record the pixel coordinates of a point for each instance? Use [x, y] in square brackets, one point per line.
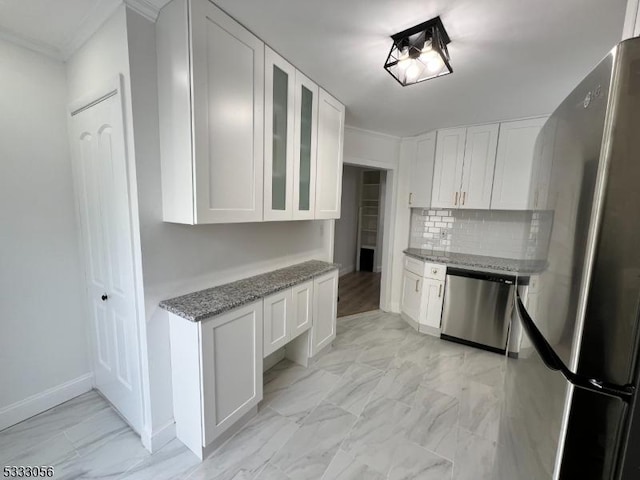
[104, 297]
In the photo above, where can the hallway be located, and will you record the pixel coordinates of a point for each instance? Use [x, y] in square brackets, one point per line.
[358, 292]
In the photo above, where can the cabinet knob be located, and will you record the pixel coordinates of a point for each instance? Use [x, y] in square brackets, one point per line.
[434, 270]
[104, 297]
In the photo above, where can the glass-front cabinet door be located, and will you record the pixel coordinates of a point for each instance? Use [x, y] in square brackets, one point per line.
[279, 115]
[305, 146]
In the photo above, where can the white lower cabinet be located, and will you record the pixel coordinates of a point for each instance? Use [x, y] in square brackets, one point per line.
[217, 374]
[287, 314]
[423, 295]
[325, 309]
[277, 321]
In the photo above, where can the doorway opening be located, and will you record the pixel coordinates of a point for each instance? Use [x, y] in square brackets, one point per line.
[359, 236]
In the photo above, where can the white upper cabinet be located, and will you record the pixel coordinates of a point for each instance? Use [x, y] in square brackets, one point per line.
[279, 112]
[329, 161]
[542, 163]
[422, 171]
[514, 164]
[305, 146]
[447, 171]
[479, 162]
[211, 100]
[244, 136]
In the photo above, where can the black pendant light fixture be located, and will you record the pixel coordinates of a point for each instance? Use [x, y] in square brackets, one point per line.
[419, 53]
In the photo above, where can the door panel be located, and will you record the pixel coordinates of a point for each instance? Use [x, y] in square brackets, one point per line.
[479, 163]
[422, 172]
[302, 308]
[305, 148]
[411, 295]
[447, 171]
[277, 318]
[228, 117]
[102, 186]
[325, 309]
[329, 161]
[434, 297]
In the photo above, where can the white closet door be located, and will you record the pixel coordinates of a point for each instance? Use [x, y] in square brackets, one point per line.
[101, 181]
[479, 163]
[447, 171]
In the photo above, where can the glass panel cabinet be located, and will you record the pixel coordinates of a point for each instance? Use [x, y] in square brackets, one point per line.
[305, 146]
[279, 138]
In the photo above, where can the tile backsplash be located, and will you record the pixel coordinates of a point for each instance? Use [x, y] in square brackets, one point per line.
[495, 233]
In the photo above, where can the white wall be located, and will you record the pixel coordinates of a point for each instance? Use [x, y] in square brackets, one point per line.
[346, 232]
[179, 259]
[43, 342]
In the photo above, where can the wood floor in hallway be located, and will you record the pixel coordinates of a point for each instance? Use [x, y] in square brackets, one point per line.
[358, 292]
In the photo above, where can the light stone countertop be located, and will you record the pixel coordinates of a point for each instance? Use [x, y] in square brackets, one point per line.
[479, 263]
[207, 303]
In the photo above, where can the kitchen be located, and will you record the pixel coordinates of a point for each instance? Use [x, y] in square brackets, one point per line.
[188, 267]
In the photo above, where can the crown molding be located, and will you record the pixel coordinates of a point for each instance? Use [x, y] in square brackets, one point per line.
[149, 9]
[31, 44]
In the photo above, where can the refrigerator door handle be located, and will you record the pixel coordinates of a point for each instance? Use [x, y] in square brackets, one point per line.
[553, 362]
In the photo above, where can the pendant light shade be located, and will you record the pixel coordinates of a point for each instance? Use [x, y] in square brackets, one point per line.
[419, 53]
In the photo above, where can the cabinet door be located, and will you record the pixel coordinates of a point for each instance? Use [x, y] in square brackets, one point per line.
[411, 295]
[447, 171]
[279, 112]
[433, 295]
[422, 172]
[277, 318]
[479, 162]
[325, 309]
[301, 308]
[231, 350]
[514, 162]
[305, 144]
[542, 163]
[329, 161]
[228, 121]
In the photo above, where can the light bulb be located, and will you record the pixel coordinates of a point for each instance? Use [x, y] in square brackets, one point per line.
[435, 65]
[413, 71]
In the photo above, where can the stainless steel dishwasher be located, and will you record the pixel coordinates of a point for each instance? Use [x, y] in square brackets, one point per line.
[477, 309]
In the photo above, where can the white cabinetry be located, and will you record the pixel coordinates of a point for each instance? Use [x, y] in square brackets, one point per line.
[463, 171]
[422, 171]
[217, 374]
[447, 171]
[514, 164]
[287, 314]
[305, 148]
[211, 101]
[329, 160]
[423, 294]
[278, 316]
[279, 112]
[477, 172]
[325, 306]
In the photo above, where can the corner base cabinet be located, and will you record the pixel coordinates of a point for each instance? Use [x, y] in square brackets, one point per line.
[217, 374]
[422, 295]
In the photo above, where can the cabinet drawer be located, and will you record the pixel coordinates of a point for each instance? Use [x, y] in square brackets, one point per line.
[435, 271]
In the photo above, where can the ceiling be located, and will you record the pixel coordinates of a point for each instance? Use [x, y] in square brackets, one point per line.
[511, 58]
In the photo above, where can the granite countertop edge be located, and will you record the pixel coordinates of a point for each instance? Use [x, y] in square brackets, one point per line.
[480, 262]
[211, 302]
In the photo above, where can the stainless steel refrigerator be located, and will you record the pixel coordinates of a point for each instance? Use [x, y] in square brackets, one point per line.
[571, 407]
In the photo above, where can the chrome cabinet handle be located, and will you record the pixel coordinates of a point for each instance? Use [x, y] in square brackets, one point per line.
[417, 283]
[464, 197]
[410, 198]
[439, 290]
[455, 202]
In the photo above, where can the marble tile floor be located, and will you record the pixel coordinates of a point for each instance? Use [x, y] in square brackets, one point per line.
[384, 403]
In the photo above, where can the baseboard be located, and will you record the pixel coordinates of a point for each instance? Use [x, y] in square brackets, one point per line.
[155, 441]
[378, 269]
[347, 269]
[38, 403]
